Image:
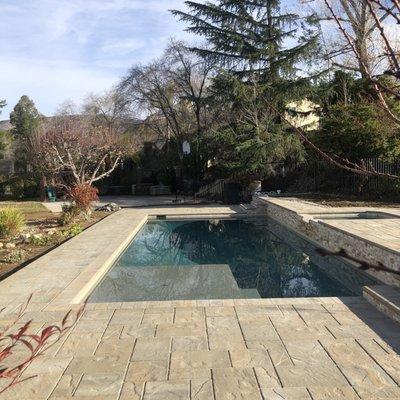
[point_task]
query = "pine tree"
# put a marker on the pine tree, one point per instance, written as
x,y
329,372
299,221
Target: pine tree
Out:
x,y
261,49
25,118
252,38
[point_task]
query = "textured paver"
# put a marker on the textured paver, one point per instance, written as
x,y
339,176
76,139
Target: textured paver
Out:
x,y
293,349
295,358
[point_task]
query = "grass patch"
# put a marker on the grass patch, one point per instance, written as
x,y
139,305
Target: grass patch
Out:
x,y
27,207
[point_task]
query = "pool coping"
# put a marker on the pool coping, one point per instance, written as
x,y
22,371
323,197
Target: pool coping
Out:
x,y
64,277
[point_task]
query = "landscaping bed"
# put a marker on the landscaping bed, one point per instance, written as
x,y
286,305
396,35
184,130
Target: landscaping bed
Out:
x,y
42,232
333,200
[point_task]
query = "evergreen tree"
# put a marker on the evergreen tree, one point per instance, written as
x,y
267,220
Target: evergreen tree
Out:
x,y
25,118
262,49
251,37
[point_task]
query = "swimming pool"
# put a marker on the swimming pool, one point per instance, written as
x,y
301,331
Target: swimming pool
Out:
x,y
220,259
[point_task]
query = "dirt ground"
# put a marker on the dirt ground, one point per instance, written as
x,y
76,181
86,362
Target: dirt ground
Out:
x,y
39,220
332,200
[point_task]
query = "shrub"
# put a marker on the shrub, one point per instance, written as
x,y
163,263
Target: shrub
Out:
x,y
83,195
15,256
12,221
73,230
41,240
18,337
69,213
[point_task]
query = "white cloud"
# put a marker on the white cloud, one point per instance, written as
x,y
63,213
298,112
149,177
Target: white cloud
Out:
x,y
49,84
122,46
52,50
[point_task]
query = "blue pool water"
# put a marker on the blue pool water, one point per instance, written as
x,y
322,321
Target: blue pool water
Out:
x,y
216,259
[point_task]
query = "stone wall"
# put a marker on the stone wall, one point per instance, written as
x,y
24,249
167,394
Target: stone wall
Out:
x,y
334,240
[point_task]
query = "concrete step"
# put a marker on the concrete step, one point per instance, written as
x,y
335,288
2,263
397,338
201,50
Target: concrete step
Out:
x,y
250,294
385,298
192,282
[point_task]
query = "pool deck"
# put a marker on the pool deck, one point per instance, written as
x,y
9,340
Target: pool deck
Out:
x,y
383,231
294,349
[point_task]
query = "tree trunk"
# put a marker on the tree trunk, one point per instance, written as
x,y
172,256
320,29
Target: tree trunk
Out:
x,y
42,188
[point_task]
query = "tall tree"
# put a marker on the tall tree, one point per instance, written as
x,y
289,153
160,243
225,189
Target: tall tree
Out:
x,y
262,50
174,94
109,110
250,37
25,118
385,77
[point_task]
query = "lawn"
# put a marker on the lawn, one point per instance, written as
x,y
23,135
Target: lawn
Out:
x,y
31,209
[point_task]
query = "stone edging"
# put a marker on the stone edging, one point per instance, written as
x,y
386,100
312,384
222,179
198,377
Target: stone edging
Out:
x,y
333,238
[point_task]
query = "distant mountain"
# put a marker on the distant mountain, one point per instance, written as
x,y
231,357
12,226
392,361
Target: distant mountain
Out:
x,y
5,125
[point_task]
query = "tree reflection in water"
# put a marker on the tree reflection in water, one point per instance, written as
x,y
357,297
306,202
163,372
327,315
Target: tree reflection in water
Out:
x,y
258,259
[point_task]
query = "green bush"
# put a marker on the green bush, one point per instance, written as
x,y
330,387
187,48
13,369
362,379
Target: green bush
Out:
x,y
69,214
12,221
73,230
42,240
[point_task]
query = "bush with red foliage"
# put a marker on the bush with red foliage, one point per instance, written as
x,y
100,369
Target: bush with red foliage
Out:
x,y
35,345
83,195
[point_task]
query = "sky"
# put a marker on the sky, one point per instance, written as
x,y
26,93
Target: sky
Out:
x,y
59,50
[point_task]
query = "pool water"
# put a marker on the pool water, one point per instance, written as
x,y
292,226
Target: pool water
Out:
x,y
217,259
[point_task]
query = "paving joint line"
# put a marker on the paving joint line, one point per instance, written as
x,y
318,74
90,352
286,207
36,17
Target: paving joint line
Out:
x,y
59,379
104,331
309,393
240,327
301,317
213,383
376,362
281,340
337,366
169,359
258,384
126,371
274,367
331,314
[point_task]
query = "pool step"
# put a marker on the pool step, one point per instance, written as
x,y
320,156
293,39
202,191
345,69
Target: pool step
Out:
x,y
171,283
385,298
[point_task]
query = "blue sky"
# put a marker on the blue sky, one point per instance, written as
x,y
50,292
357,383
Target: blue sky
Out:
x,y
57,50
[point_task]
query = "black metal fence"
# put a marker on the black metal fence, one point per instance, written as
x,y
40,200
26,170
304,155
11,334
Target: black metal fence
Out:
x,y
225,191
320,176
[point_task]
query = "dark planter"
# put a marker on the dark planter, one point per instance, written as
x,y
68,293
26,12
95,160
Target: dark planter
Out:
x,y
232,193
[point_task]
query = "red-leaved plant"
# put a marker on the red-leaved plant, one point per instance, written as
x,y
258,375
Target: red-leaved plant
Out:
x,y
35,344
83,195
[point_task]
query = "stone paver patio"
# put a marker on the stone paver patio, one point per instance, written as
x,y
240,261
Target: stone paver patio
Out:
x,y
264,349
294,349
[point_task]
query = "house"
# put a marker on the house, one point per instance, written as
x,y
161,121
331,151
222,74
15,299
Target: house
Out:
x,y
303,114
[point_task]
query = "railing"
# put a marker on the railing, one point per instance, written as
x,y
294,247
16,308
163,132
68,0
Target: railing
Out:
x,y
212,191
320,176
226,191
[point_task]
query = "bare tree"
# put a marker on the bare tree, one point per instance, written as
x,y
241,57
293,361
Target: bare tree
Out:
x,y
109,110
379,17
173,93
71,151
